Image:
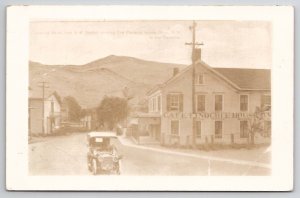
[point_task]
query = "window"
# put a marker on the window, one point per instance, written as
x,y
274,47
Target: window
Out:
x,y
243,129
175,102
200,79
154,104
218,102
174,127
218,129
52,107
244,102
200,103
267,129
198,128
158,103
150,105
266,102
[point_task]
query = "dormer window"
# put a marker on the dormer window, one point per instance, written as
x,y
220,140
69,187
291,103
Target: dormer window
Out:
x,y
200,79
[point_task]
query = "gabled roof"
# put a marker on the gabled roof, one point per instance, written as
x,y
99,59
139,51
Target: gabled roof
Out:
x,y
248,78
57,97
159,86
37,96
239,78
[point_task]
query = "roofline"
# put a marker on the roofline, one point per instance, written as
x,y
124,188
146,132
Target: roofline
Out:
x,y
53,93
169,80
209,68
245,89
218,74
154,89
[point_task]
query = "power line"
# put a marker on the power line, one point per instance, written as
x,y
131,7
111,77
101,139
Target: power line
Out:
x,y
194,59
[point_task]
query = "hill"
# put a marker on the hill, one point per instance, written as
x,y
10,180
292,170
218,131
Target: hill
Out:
x,y
88,83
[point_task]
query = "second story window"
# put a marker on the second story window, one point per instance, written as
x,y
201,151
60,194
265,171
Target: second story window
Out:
x,y
243,102
200,103
200,79
218,102
266,102
175,102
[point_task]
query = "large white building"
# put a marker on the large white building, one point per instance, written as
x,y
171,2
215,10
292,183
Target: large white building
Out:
x,y
227,102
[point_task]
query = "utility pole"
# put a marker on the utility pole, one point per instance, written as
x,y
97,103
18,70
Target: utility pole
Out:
x,y
43,86
194,59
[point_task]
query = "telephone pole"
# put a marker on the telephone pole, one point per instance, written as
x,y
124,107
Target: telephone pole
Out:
x,y
194,59
43,86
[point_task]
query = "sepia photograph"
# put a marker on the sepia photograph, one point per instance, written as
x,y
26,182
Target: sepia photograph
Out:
x,y
135,99
127,97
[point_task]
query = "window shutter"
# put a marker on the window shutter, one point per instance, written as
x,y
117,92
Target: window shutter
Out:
x,y
181,102
168,102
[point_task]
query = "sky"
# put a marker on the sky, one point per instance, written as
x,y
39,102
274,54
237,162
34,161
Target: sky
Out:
x,y
235,44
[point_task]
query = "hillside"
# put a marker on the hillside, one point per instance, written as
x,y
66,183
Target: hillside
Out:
x,y
108,76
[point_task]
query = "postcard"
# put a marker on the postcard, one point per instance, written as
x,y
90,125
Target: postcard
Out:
x,y
149,98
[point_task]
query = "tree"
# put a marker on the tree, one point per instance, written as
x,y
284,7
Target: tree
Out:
x,y
83,112
256,123
112,110
73,108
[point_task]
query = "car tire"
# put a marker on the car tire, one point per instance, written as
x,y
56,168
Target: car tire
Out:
x,y
118,171
94,167
89,164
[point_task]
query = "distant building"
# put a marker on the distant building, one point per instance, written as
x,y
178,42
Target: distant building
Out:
x,y
42,124
225,99
89,121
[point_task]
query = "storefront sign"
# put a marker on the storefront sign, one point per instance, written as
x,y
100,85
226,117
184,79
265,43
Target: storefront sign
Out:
x,y
216,115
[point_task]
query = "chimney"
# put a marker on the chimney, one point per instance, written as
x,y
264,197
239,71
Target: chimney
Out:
x,y
197,54
175,71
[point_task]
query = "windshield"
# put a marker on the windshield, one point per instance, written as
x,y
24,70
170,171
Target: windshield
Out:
x,y
101,144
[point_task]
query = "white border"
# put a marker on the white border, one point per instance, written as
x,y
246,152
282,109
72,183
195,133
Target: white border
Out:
x,y
18,17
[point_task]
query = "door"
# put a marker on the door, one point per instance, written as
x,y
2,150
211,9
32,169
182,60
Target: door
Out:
x,y
157,132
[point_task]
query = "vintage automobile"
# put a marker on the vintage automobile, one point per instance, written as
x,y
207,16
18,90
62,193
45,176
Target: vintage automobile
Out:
x,y
102,156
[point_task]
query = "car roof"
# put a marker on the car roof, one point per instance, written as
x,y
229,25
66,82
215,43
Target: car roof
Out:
x,y
102,134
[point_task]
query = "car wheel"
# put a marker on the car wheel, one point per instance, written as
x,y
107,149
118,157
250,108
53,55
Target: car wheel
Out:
x,y
117,170
89,165
95,167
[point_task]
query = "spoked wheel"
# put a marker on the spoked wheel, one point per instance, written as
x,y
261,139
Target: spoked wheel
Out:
x,y
89,167
117,170
89,163
94,167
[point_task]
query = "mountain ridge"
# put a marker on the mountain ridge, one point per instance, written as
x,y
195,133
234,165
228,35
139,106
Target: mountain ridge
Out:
x,y
90,82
